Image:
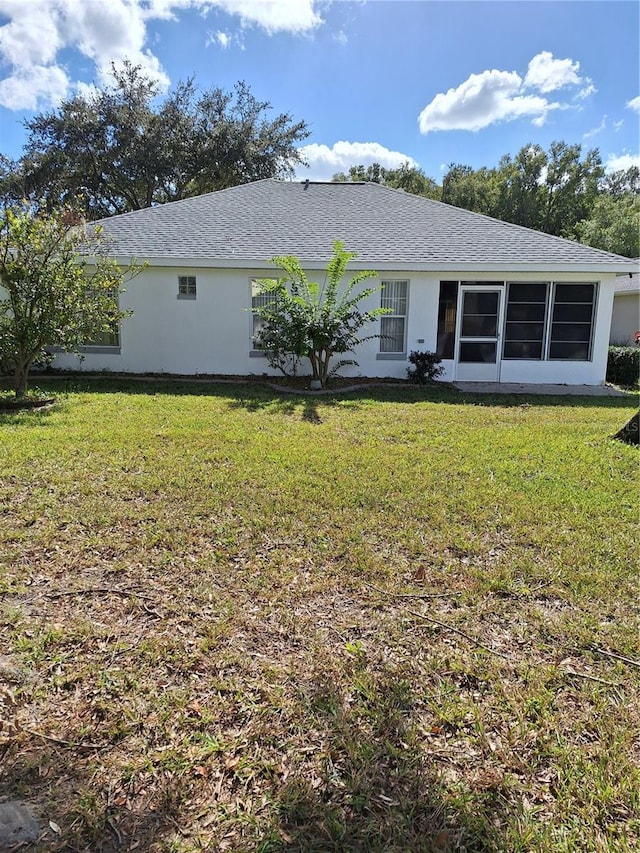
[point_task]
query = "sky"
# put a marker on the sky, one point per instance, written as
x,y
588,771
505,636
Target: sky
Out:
x,y
426,82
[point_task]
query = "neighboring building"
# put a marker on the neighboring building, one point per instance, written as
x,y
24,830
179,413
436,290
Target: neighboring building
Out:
x,y
625,319
497,301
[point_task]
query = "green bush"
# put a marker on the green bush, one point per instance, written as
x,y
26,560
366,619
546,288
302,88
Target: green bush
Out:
x,y
623,365
426,367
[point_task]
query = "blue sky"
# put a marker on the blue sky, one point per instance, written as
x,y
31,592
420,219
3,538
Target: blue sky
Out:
x,y
379,80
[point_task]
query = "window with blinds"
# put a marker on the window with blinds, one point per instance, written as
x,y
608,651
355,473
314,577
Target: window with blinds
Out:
x,y
258,300
393,297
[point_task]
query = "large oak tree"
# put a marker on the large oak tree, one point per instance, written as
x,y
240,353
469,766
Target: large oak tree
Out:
x,y
124,148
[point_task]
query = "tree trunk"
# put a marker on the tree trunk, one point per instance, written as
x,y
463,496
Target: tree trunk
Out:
x,y
313,358
630,431
20,380
325,368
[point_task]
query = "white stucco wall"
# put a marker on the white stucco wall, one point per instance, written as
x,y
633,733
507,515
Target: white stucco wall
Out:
x,y
167,334
625,320
212,334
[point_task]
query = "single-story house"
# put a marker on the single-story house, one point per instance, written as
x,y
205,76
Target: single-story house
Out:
x,y
625,320
496,301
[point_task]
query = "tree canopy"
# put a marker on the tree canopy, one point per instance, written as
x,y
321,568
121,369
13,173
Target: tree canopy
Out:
x,y
50,294
549,191
122,148
405,177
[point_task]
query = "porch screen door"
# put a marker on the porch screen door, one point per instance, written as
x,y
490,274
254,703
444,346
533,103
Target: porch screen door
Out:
x,y
480,321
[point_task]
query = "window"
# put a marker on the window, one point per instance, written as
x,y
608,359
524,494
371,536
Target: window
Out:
x,y
572,322
258,300
393,325
106,339
110,338
447,308
525,320
186,287
480,314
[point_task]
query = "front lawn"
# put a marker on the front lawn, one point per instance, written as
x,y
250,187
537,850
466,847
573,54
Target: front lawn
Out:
x,y
395,620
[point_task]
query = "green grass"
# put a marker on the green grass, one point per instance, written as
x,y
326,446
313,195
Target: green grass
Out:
x,y
203,645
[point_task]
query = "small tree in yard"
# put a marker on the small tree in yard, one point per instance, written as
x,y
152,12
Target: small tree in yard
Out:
x,y
50,294
303,318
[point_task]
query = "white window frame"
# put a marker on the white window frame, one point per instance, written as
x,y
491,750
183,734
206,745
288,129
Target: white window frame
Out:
x,y
394,355
257,299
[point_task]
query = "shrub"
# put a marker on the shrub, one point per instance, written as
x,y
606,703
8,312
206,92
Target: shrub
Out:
x,y
623,365
303,318
426,367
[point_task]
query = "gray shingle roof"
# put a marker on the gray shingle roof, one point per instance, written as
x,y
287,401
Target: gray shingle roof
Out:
x,y
254,222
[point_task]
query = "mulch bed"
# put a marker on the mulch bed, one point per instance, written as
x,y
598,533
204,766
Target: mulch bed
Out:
x,y
290,384
13,404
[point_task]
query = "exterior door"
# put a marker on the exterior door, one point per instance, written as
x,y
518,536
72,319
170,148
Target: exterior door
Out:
x,y
479,324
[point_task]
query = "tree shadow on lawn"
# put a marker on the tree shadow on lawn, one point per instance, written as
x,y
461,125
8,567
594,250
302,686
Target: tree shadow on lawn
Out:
x,y
375,791
307,407
379,791
28,416
61,787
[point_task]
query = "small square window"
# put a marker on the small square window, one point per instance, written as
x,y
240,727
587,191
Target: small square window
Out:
x,y
186,287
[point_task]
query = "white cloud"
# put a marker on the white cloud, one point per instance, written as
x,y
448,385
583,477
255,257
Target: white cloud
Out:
x,y
634,104
324,162
616,162
617,125
88,91
293,16
497,96
30,86
596,130
481,100
110,31
547,74
32,33
589,89
220,38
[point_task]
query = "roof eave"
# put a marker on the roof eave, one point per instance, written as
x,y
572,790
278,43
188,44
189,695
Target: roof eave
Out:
x,y
609,267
